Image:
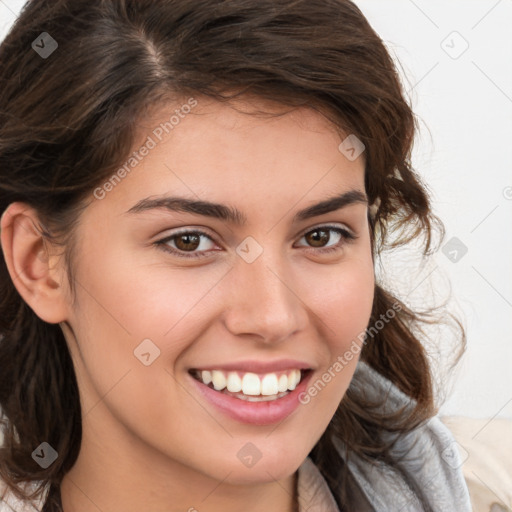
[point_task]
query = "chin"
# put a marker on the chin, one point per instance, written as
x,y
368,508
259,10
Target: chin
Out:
x,y
268,468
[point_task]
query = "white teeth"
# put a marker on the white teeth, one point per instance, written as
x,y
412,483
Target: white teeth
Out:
x,y
206,376
269,384
234,382
219,380
283,383
293,379
260,398
251,384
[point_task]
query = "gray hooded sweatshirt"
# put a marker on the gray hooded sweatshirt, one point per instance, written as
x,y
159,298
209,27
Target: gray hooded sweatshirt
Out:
x,y
428,456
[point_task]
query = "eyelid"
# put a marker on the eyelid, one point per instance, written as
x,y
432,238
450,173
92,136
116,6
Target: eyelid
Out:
x,y
338,225
200,231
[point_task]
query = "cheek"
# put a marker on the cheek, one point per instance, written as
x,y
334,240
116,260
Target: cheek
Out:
x,y
120,303
354,293
139,298
325,391
344,302
344,307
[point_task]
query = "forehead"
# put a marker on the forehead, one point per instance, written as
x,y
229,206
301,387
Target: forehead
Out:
x,y
236,153
242,124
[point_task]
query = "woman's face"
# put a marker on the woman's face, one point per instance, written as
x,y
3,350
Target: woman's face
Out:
x,y
276,293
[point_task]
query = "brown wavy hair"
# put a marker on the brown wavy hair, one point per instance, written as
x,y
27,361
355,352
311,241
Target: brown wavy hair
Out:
x,y
68,121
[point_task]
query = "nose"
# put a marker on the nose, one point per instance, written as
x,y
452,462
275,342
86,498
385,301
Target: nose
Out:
x,y
263,302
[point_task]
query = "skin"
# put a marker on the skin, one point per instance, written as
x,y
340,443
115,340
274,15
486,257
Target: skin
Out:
x,y
150,441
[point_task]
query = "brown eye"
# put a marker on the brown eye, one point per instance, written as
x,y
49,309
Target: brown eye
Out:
x,y
187,242
318,237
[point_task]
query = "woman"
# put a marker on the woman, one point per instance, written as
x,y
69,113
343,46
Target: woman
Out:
x,y
193,195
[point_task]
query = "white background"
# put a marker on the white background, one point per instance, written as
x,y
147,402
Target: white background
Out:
x,y
464,153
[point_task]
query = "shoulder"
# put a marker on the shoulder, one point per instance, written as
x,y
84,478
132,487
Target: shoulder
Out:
x,y
428,464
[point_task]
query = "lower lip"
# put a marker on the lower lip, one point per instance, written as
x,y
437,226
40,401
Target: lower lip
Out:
x,y
254,413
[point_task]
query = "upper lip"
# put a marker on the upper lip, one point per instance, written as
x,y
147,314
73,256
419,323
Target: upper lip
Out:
x,y
258,366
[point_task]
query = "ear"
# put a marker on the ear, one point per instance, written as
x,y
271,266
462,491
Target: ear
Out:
x,y
37,274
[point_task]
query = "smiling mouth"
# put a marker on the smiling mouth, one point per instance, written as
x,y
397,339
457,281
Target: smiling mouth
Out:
x,y
249,386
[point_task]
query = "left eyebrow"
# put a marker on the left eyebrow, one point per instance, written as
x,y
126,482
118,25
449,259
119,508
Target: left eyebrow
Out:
x,y
235,216
331,205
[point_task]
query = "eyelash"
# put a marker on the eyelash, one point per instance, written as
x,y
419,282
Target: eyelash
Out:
x,y
346,237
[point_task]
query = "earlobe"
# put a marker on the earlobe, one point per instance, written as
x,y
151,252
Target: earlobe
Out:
x,y
31,267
